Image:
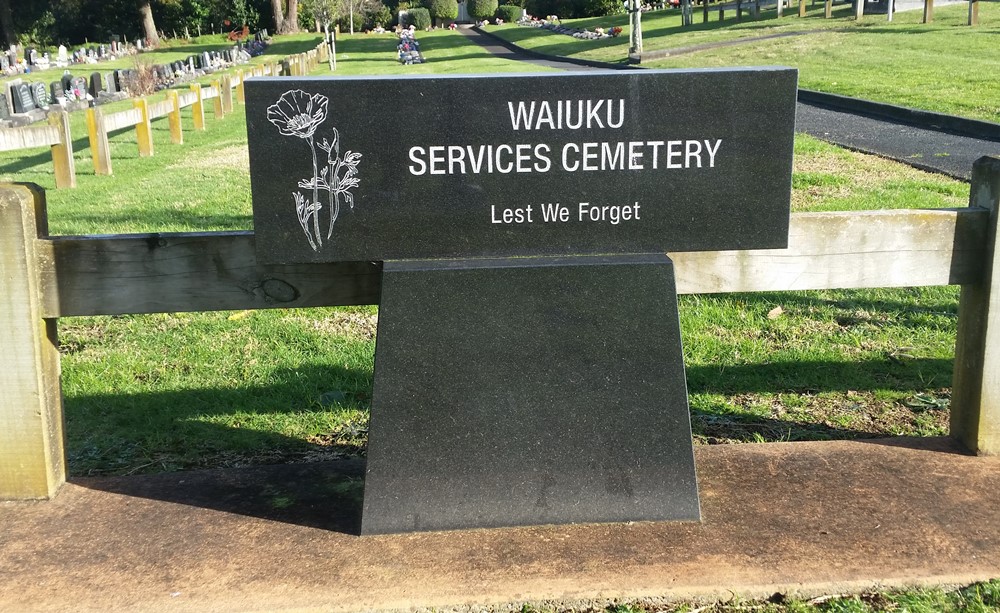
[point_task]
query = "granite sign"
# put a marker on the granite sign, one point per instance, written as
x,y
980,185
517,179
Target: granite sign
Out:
x,y
501,166
528,366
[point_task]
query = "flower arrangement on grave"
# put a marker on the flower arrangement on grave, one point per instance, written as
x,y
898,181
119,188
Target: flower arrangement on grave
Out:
x,y
299,114
615,31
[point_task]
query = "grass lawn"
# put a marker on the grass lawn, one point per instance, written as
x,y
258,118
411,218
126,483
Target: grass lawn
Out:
x,y
177,391
944,66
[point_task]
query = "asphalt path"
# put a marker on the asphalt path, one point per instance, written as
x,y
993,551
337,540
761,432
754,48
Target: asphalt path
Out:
x,y
923,148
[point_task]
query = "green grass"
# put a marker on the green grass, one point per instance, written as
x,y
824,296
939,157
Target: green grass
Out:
x,y
943,66
170,392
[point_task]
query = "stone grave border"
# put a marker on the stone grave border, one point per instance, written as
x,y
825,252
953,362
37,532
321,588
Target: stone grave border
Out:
x,y
50,277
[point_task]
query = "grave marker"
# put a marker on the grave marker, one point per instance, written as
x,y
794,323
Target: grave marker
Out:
x,y
56,91
40,95
23,102
96,84
4,107
78,85
528,366
67,81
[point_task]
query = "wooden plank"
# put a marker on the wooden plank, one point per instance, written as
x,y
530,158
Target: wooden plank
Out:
x,y
186,99
217,106
174,118
218,271
197,107
32,463
12,139
100,151
189,272
207,93
122,119
143,129
975,399
160,109
63,164
899,248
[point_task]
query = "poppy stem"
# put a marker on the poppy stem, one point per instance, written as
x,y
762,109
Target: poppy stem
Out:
x,y
315,199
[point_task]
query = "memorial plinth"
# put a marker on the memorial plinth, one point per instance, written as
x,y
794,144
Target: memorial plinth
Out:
x,y
528,361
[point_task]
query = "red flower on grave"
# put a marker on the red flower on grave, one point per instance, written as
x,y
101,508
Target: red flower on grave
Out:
x,y
297,113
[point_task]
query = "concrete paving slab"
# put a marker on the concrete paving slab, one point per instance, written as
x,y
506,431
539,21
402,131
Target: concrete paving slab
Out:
x,y
798,518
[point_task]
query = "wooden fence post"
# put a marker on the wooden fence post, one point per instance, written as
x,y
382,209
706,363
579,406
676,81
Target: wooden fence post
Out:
x,y
802,7
143,129
859,9
828,9
226,93
174,118
62,152
217,109
198,108
928,11
32,460
975,398
973,12
780,5
100,152
240,94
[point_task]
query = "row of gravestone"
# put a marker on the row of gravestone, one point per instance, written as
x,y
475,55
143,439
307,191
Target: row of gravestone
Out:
x,y
408,48
27,102
34,60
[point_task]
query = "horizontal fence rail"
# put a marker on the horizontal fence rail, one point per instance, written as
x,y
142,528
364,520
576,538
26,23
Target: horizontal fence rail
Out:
x,y
49,277
113,275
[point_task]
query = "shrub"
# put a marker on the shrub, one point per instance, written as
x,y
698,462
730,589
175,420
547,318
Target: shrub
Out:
x,y
344,21
600,8
482,9
381,17
565,9
509,12
445,10
419,17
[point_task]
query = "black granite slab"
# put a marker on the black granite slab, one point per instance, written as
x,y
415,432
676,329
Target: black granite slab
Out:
x,y
40,95
528,391
96,84
671,161
56,90
23,101
67,81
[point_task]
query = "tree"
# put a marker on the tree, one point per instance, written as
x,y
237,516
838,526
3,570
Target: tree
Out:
x,y
442,10
278,17
291,23
148,25
7,34
482,9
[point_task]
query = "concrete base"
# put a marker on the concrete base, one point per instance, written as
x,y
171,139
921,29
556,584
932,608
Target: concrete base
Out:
x,y
797,518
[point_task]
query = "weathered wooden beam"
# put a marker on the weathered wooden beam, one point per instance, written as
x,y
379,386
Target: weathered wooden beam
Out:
x,y
63,164
186,99
188,272
174,118
215,93
12,139
240,90
894,248
143,128
226,94
975,399
197,108
928,11
973,12
122,119
219,271
160,109
97,134
32,465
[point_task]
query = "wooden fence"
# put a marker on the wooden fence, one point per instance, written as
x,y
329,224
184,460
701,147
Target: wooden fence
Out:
x,y
222,92
50,277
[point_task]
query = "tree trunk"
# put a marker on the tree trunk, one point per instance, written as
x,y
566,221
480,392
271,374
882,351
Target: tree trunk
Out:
x,y
7,35
279,19
148,26
291,18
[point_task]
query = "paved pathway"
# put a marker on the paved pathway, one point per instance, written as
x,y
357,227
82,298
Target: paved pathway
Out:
x,y
931,150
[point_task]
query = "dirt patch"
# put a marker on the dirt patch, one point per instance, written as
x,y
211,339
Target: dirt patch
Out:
x,y
345,323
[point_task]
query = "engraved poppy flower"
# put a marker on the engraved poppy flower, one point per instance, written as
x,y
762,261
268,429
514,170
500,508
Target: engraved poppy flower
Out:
x,y
297,113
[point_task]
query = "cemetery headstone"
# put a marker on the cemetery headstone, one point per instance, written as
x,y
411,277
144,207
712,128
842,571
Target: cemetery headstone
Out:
x,y
4,63
78,85
110,85
31,56
40,95
206,60
67,81
96,84
56,91
23,101
4,106
63,55
529,366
